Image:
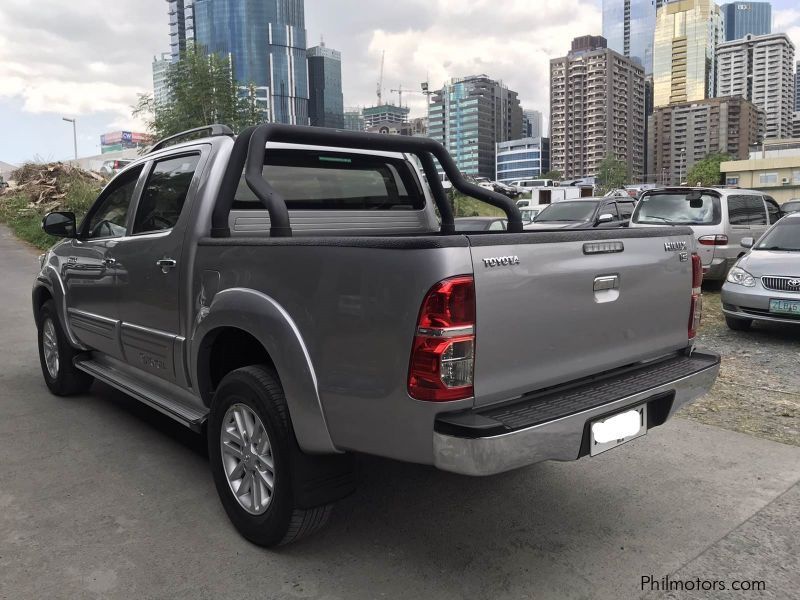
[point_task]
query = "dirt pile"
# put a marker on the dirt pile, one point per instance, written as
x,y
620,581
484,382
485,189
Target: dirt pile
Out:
x,y
47,185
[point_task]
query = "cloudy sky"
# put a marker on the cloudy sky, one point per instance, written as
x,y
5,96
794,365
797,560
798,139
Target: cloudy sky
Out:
x,y
89,59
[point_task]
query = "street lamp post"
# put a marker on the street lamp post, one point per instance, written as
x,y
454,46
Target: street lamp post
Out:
x,y
680,172
74,135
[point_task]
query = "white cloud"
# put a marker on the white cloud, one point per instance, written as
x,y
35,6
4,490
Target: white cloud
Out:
x,y
79,58
512,40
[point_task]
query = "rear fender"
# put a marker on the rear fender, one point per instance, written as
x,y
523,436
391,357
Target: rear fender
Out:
x,y
263,318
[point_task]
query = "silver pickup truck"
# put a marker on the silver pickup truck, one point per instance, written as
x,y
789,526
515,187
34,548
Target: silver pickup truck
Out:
x,y
300,295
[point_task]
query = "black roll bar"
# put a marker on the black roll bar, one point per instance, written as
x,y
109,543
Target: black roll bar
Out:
x,y
250,149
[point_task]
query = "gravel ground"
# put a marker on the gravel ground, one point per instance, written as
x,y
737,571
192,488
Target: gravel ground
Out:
x,y
758,390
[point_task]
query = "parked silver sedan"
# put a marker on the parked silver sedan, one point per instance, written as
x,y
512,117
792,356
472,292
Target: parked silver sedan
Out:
x,y
764,285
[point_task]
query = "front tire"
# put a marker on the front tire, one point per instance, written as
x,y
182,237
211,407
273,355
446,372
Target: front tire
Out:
x,y
249,448
56,356
738,324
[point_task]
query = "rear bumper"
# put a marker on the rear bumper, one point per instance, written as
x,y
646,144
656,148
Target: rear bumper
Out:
x,y
470,443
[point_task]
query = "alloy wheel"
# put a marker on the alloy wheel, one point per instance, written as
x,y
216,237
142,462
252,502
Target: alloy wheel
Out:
x,y
247,458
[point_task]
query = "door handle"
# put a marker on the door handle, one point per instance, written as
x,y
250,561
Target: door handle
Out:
x,y
166,264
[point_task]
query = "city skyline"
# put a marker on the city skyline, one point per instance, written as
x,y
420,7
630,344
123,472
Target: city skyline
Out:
x,y
99,59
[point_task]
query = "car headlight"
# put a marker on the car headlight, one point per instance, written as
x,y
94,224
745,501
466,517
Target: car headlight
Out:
x,y
741,277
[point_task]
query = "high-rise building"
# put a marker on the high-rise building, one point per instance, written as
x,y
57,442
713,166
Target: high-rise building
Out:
x,y
532,124
686,35
687,132
354,119
325,102
797,88
759,69
743,18
469,116
160,68
597,104
628,25
181,26
375,116
266,40
527,158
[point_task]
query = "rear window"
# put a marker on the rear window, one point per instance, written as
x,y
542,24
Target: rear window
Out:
x,y
675,209
310,180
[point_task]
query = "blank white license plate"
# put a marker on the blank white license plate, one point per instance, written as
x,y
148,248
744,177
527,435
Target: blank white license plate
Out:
x,y
609,432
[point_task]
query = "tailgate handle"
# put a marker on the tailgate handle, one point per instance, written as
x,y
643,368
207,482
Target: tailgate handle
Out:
x,y
606,282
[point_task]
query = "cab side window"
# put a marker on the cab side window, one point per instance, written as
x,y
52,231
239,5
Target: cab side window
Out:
x,y
610,208
625,210
746,210
110,217
165,194
773,209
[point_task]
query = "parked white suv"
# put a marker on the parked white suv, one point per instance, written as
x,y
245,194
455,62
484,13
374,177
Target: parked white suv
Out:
x,y
720,219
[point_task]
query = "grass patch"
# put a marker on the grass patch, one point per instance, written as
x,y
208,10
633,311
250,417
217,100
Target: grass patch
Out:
x,y
464,206
23,214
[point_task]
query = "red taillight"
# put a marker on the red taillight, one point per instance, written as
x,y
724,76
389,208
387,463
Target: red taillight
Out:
x,y
696,306
713,240
443,354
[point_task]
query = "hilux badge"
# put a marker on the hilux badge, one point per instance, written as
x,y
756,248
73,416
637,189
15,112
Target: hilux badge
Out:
x,y
674,246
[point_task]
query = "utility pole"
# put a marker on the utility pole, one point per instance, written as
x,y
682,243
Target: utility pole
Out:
x,y
74,135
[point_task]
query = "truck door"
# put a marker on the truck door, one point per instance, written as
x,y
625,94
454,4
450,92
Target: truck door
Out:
x,y
151,283
89,271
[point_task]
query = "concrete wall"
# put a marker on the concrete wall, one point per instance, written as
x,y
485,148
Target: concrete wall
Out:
x,y
784,174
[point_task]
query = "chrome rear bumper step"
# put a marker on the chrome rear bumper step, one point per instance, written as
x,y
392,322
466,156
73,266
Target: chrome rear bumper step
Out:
x,y
552,425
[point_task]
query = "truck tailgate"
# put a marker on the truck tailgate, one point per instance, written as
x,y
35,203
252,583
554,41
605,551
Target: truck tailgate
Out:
x,y
546,319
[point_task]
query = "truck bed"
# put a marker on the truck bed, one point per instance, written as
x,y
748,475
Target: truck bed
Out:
x,y
355,302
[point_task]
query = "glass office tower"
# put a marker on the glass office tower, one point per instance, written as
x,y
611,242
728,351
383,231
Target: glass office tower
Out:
x,y
684,51
326,103
628,25
742,18
266,40
181,26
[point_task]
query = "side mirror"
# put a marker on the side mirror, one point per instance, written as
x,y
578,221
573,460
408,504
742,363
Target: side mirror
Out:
x,y
59,224
605,218
747,242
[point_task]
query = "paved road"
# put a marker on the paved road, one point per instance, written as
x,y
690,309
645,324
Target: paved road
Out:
x,y
103,498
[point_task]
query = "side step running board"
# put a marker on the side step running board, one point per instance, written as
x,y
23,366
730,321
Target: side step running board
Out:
x,y
185,415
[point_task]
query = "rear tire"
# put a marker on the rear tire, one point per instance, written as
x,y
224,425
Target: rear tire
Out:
x,y
738,324
56,356
249,447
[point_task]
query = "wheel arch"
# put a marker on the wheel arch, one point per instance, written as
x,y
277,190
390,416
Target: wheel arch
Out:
x,y
244,327
41,294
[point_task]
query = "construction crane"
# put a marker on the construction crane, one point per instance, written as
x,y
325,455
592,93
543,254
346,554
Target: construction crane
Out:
x,y
425,92
380,81
400,91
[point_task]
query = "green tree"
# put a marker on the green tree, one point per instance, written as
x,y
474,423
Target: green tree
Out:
x,y
554,175
611,174
201,91
706,172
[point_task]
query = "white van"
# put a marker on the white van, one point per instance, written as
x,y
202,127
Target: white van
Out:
x,y
525,185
